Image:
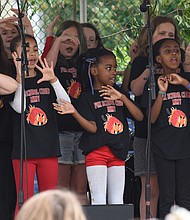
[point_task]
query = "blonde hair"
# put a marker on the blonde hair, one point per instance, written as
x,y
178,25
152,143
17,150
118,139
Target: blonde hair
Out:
x,y
52,205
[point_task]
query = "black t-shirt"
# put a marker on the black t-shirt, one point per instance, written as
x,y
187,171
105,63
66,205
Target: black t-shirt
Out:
x,y
40,121
68,78
112,127
6,125
138,66
170,133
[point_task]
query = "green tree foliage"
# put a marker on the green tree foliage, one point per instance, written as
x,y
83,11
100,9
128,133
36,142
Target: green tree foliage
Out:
x,y
119,22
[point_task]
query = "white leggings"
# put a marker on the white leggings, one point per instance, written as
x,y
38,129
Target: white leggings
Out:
x,y
106,181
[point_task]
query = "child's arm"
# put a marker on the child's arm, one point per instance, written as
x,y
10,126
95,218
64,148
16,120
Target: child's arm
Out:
x,y
176,79
49,36
68,108
53,53
163,86
47,46
16,103
54,50
49,29
133,53
137,85
49,75
109,93
25,21
7,85
186,64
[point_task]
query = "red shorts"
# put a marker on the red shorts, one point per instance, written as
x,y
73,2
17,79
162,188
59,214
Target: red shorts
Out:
x,y
103,156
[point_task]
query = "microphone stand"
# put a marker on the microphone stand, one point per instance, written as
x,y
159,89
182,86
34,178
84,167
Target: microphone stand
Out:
x,y
151,96
24,71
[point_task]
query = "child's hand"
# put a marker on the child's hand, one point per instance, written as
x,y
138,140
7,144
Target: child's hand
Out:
x,y
48,72
9,20
68,39
64,108
162,83
176,79
109,93
49,29
187,53
133,51
25,20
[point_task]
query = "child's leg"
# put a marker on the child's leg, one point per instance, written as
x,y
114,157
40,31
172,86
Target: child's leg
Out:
x,y
47,173
29,169
116,183
166,173
182,183
97,179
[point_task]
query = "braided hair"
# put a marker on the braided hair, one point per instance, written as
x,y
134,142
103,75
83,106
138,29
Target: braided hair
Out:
x,y
86,60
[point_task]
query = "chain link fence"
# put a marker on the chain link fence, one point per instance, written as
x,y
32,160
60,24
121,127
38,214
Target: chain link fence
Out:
x,y
118,22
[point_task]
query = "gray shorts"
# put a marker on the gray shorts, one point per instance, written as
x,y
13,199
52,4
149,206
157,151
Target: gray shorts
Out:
x,y
69,146
140,165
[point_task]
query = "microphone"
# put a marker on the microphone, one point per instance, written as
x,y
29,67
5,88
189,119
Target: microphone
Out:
x,y
144,5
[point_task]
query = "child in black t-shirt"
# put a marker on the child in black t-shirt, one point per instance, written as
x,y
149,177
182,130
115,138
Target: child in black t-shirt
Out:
x,y
170,116
69,43
102,112
41,148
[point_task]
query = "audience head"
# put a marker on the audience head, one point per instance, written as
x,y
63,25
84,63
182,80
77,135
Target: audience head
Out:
x,y
52,205
178,213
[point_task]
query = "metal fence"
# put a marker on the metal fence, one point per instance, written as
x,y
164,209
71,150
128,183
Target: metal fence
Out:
x,y
118,22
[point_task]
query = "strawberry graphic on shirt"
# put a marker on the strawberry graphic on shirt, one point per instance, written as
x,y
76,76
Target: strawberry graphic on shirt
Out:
x,y
113,125
36,116
177,118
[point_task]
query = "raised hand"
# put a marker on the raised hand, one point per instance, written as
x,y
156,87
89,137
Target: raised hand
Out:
x,y
68,39
187,53
49,29
176,79
109,93
133,51
163,83
6,21
25,21
64,108
47,71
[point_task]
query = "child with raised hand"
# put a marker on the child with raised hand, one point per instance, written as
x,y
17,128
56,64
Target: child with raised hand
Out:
x,y
170,130
42,144
102,112
67,46
9,29
49,36
91,34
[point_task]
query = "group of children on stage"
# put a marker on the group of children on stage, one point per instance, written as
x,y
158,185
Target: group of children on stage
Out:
x,y
75,117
